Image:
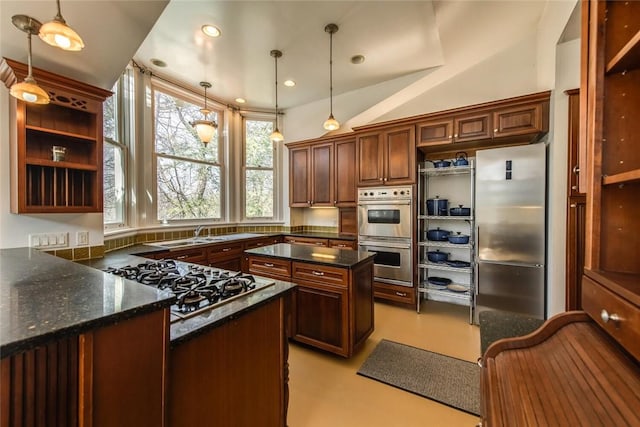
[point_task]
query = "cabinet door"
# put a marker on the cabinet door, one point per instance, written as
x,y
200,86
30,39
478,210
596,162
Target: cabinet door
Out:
x,y
519,120
370,158
472,128
322,175
322,317
400,163
345,174
435,132
343,244
299,183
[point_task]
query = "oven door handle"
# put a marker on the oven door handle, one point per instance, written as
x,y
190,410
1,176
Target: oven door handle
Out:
x,y
383,202
385,244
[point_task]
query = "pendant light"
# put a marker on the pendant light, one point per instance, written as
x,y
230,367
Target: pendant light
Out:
x,y
276,136
57,33
28,90
331,123
205,128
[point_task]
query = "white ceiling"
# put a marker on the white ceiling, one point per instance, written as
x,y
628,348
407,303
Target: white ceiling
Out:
x,y
396,37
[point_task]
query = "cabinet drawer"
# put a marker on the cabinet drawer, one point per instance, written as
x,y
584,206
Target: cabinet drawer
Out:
x,y
311,241
263,241
320,273
270,267
196,256
225,249
401,294
343,244
599,303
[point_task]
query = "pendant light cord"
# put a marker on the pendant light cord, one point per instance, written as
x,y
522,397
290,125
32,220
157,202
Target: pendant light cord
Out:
x,y
276,58
29,76
331,74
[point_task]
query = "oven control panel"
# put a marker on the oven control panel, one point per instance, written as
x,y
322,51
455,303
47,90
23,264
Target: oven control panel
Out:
x,y
384,193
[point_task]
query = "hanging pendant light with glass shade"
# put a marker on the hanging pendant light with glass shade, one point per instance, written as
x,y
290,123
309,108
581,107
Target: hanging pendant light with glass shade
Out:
x,y
205,128
331,123
28,90
57,33
276,135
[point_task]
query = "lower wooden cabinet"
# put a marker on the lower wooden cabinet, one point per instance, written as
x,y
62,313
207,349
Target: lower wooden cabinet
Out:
x,y
321,319
227,256
112,376
233,375
401,294
332,307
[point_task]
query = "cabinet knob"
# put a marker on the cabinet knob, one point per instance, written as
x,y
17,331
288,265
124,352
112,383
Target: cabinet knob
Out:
x,y
495,130
450,136
576,169
401,294
385,180
268,264
380,179
605,316
455,136
572,205
574,187
317,273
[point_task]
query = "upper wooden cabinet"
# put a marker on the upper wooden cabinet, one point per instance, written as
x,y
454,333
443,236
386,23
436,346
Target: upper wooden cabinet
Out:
x,y
40,181
387,157
516,120
322,173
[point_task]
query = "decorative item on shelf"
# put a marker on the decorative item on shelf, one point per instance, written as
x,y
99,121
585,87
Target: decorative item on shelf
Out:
x,y
276,135
331,123
205,128
57,33
58,153
28,90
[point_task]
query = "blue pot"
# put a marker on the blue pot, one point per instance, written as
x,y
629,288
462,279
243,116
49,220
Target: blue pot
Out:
x,y
438,235
461,159
458,239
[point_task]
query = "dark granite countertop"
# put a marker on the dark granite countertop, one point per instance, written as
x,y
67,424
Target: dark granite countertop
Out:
x,y
185,329
314,254
43,298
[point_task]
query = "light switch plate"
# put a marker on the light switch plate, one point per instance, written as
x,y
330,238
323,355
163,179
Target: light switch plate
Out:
x,y
82,238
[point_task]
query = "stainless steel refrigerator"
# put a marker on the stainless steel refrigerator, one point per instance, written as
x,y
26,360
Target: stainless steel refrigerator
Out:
x,y
511,230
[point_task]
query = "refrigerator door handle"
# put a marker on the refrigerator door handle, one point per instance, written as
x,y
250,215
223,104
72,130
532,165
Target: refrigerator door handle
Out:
x,y
476,280
513,264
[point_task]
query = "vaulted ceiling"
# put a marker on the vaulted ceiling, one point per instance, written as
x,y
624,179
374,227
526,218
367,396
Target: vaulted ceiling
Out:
x,y
397,38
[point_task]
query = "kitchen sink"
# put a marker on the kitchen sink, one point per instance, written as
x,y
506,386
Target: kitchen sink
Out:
x,y
187,242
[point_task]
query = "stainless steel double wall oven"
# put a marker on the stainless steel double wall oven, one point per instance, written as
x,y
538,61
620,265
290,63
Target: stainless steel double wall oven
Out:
x,y
385,226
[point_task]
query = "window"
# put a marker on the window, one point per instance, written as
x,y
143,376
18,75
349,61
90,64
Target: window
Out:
x,y
189,181
117,115
259,169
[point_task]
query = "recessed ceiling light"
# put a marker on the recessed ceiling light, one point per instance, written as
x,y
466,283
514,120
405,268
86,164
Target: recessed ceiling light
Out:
x,y
158,62
357,59
211,30
241,100
289,83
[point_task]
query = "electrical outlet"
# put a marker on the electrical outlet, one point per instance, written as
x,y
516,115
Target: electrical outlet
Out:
x,y
82,238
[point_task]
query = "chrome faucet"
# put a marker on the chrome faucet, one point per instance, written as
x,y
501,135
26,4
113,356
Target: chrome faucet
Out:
x,y
197,231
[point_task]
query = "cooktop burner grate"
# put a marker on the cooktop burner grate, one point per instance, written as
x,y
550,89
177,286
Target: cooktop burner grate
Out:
x,y
197,288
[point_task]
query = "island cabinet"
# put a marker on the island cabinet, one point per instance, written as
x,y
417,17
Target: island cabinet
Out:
x,y
233,375
95,379
386,156
322,172
332,306
227,256
55,149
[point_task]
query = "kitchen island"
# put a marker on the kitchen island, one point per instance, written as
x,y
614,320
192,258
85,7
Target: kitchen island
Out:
x,y
332,307
100,344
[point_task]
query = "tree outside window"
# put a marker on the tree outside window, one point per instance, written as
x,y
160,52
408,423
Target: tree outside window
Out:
x,y
259,170
189,184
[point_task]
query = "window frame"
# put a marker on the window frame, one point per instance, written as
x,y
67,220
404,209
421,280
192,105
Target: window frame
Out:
x,y
197,100
124,117
276,168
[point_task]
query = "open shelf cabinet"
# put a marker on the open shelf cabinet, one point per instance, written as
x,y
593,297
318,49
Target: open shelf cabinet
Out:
x,y
72,120
452,183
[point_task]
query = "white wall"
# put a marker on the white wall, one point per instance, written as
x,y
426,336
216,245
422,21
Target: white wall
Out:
x,y
567,76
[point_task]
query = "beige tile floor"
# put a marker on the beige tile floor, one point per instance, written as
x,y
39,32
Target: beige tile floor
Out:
x,y
325,390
